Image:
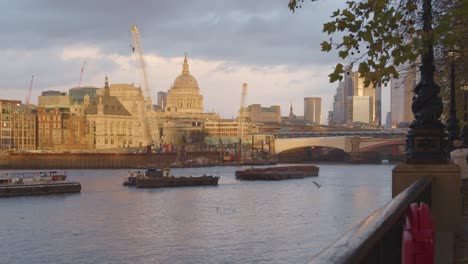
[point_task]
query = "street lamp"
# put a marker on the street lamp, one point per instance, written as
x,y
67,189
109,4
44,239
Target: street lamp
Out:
x,y
426,140
453,128
464,133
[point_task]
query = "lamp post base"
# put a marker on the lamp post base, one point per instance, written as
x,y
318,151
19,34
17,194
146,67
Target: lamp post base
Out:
x,y
427,146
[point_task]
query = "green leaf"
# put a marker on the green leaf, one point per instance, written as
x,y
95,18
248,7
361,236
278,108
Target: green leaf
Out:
x,y
329,27
335,13
343,54
326,46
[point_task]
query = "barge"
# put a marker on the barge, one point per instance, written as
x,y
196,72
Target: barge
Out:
x,y
159,178
277,173
36,183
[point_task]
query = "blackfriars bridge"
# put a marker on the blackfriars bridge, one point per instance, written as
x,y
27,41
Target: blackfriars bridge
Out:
x,y
350,143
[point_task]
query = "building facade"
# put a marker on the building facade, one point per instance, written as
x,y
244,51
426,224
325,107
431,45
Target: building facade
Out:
x,y
18,126
162,101
257,113
54,99
60,130
226,130
360,109
313,110
401,95
338,115
354,86
111,124
50,128
77,94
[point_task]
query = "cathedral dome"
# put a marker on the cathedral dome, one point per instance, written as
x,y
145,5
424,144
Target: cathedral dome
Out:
x,y
184,94
185,80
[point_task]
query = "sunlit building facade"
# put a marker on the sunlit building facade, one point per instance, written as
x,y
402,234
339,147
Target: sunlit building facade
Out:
x,y
111,124
354,86
360,109
257,113
77,94
313,110
401,95
60,130
18,126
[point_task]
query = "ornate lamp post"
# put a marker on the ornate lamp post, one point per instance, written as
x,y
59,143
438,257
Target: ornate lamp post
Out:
x,y
426,140
452,123
464,133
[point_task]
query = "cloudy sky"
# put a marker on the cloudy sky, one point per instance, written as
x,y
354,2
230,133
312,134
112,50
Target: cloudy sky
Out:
x,y
228,42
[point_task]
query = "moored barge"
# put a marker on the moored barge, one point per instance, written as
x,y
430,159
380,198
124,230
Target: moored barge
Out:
x,y
277,173
17,183
159,178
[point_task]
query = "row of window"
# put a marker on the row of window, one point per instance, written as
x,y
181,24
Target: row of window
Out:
x,y
50,125
221,125
223,130
111,141
224,135
49,118
15,119
17,141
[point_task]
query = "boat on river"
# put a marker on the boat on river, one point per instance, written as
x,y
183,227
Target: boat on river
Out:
x,y
159,178
277,173
134,174
19,183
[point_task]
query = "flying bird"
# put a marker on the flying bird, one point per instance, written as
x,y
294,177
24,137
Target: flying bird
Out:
x,y
318,185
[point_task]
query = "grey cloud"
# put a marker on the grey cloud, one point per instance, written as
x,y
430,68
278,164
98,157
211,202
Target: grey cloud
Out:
x,y
253,32
226,67
48,68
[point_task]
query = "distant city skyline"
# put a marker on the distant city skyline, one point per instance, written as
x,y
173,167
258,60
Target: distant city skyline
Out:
x,y
228,43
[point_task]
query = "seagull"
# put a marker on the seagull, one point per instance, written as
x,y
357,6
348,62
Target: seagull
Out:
x,y
318,185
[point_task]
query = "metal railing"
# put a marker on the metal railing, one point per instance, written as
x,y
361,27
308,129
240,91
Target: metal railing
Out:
x,y
378,238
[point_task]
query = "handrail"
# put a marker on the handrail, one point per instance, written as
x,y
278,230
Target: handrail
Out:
x,y
360,240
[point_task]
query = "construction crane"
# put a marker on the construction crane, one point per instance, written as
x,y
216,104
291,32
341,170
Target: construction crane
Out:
x,y
149,116
240,129
81,74
138,50
30,90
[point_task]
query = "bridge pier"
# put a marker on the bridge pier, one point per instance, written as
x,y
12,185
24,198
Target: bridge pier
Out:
x,y
370,157
445,201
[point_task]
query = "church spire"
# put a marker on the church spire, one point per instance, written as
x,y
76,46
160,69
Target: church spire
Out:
x,y
185,68
106,87
291,110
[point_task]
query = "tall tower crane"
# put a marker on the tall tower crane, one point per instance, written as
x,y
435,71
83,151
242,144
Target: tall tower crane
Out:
x,y
137,48
149,116
81,74
30,90
240,129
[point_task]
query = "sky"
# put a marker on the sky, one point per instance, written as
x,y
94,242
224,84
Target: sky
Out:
x,y
228,43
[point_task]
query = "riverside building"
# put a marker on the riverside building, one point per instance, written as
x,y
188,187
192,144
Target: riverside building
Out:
x,y
18,126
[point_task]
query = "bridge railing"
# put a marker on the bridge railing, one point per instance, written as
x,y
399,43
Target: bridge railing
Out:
x,y
378,238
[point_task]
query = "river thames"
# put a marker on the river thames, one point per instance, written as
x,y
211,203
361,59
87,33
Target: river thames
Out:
x,y
235,222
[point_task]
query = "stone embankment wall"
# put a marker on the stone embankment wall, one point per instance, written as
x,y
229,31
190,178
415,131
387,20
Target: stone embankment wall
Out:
x,y
94,160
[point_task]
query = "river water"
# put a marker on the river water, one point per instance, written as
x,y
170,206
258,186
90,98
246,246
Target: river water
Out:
x,y
235,222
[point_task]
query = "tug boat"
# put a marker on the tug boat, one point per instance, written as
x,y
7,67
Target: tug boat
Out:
x,y
19,183
158,178
131,180
277,173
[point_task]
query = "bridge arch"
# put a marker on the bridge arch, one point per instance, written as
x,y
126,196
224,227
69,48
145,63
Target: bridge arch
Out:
x,y
283,144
